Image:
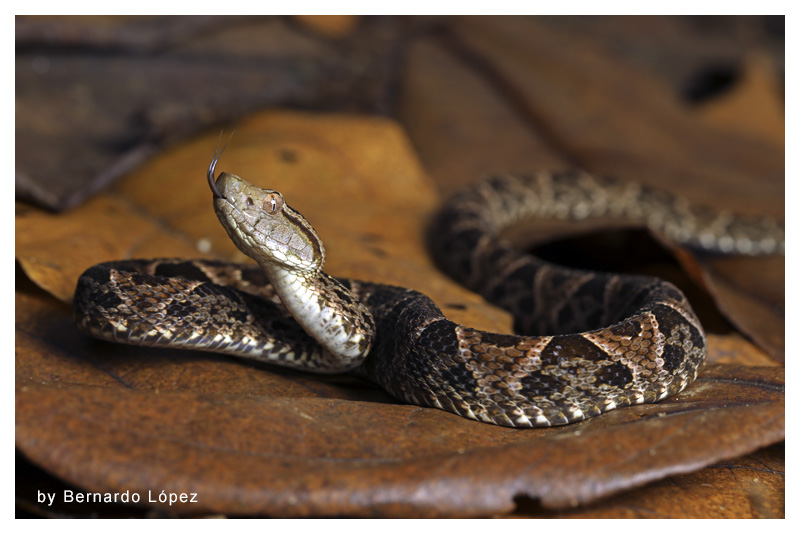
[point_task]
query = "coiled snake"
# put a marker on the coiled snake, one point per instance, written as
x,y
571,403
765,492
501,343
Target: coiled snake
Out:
x,y
602,341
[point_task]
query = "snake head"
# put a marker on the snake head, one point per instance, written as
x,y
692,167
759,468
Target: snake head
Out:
x,y
265,228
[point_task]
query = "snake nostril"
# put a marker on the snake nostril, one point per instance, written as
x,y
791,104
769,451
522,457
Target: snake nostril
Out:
x,y
249,201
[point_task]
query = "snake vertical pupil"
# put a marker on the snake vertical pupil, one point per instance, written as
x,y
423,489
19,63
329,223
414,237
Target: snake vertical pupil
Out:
x,y
273,203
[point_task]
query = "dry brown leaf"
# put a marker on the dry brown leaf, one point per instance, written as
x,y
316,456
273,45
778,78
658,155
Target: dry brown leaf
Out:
x,y
52,249
321,456
751,293
255,440
103,94
462,129
522,94
755,106
734,349
610,118
753,486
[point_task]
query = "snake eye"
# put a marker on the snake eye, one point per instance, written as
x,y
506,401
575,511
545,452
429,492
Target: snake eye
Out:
x,y
273,203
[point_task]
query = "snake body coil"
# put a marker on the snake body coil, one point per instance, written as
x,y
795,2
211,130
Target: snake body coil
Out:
x,y
611,340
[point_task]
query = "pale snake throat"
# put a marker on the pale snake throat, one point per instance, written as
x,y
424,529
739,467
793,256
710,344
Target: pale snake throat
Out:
x,y
592,341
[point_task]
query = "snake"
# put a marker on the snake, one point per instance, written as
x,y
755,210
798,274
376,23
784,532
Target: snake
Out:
x,y
585,342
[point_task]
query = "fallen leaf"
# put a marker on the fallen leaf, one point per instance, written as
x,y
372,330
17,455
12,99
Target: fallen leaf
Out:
x,y
753,486
609,118
755,106
255,440
522,94
104,94
751,293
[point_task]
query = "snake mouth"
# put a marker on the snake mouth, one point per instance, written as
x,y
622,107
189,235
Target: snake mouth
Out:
x,y
217,155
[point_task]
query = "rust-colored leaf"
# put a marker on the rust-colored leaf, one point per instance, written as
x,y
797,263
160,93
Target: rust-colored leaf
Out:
x,y
752,486
754,106
51,249
462,128
613,119
751,293
255,440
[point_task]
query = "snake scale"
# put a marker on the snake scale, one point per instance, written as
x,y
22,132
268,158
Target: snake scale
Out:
x,y
589,342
